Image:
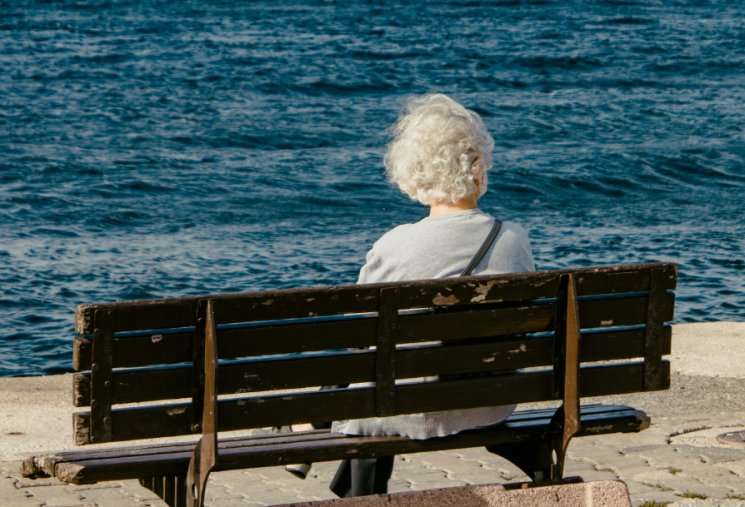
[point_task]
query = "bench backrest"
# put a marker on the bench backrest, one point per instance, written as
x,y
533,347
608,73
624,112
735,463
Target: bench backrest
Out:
x,y
294,340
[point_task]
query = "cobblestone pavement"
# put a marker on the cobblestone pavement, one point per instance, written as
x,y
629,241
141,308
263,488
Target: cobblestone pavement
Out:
x,y
676,460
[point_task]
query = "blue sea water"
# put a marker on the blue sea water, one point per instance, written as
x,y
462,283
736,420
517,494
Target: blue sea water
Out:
x,y
154,148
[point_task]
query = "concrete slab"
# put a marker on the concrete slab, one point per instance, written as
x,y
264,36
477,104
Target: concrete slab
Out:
x,y
591,494
710,349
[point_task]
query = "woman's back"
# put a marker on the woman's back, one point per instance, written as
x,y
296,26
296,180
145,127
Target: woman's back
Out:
x,y
438,247
442,246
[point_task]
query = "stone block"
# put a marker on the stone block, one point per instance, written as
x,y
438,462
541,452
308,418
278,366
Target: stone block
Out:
x,y
595,494
398,486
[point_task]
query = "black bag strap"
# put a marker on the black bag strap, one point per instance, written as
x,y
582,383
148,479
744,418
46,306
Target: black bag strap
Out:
x,y
484,248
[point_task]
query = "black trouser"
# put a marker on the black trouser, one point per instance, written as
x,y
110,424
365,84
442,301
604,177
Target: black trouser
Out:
x,y
359,477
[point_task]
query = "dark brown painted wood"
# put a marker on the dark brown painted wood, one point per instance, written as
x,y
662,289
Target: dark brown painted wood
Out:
x,y
359,403
654,329
477,319
359,366
530,318
517,388
385,353
527,286
45,465
270,375
180,500
158,421
157,486
48,463
355,333
197,374
341,447
279,339
247,307
169,490
101,375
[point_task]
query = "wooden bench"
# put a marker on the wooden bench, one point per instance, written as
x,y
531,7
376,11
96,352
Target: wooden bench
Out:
x,y
276,348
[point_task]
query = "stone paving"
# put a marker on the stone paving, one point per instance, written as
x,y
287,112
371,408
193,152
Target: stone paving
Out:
x,y
676,462
677,456
655,465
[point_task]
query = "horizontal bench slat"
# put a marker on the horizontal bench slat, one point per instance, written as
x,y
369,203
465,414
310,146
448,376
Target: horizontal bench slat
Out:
x,y
510,389
301,372
300,449
353,333
271,305
534,318
359,403
518,417
237,342
49,463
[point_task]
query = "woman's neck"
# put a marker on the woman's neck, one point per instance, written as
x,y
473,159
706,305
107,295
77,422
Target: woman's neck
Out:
x,y
465,204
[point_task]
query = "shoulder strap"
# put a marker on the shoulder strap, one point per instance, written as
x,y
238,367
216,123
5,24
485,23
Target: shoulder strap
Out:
x,y
484,248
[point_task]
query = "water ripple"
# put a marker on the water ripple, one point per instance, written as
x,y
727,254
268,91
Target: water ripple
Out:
x,y
152,149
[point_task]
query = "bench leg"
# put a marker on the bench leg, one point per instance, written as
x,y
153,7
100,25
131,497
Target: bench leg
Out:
x,y
544,460
170,488
204,458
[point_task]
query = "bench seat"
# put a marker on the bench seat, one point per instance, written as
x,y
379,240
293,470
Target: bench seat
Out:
x,y
264,450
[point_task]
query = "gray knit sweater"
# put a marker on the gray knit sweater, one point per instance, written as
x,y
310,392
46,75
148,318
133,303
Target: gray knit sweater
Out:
x,y
440,247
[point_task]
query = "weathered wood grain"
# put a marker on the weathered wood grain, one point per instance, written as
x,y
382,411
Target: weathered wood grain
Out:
x,y
356,333
292,449
359,366
359,403
246,307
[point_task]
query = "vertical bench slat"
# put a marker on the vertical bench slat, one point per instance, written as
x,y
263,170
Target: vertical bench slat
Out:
x,y
566,422
205,457
654,330
101,375
197,370
169,490
385,355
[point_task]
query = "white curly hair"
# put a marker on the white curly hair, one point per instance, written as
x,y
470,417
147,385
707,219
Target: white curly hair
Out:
x,y
438,150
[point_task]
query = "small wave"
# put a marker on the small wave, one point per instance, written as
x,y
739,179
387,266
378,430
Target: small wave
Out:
x,y
158,150
55,233
145,186
36,319
481,111
560,62
125,218
392,55
112,58
629,21
135,162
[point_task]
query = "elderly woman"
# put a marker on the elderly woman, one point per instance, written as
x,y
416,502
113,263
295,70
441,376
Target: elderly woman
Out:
x,y
439,155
